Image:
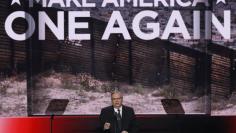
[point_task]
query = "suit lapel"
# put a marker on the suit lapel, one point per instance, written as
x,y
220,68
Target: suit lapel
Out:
x,y
112,112
124,118
123,113
112,119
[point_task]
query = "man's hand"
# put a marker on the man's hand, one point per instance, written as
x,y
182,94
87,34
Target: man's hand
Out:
x,y
124,132
107,126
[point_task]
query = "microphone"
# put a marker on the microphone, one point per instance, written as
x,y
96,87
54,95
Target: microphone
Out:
x,y
118,124
115,121
116,116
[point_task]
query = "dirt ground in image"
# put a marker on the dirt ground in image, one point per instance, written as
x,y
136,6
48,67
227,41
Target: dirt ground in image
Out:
x,y
87,95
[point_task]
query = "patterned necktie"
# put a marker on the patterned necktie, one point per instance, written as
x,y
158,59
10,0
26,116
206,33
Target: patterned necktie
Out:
x,y
119,121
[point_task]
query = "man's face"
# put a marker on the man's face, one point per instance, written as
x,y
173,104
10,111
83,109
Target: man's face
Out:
x,y
117,100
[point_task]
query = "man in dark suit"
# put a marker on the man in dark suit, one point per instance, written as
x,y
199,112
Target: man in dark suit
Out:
x,y
118,118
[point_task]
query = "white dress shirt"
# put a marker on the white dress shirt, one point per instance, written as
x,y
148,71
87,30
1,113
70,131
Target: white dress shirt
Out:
x,y
116,110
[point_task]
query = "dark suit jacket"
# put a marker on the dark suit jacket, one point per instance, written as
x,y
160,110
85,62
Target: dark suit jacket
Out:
x,y
129,123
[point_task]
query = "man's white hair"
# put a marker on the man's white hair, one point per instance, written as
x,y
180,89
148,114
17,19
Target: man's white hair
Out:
x,y
116,90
